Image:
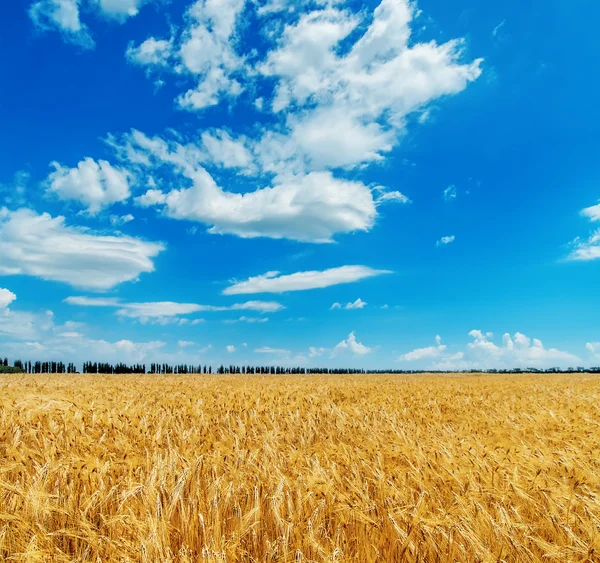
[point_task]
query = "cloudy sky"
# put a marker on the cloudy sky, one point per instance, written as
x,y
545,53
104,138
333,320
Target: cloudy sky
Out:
x,y
394,184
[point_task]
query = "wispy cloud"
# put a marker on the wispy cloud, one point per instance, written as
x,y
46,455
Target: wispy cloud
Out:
x,y
275,282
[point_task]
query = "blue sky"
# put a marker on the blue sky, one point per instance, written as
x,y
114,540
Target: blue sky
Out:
x,y
406,185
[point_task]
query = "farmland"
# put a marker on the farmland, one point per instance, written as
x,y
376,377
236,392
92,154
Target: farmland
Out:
x,y
299,468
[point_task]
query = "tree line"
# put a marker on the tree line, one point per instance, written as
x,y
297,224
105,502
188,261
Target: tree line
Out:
x,y
166,369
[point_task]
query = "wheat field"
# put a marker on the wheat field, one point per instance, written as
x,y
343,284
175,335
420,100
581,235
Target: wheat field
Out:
x,y
299,468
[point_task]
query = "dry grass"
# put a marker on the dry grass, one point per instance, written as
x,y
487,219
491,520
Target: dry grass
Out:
x,y
298,469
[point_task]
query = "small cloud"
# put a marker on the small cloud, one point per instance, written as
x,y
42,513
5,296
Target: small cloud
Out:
x,y
118,220
230,348
351,345
358,304
6,298
592,213
274,351
450,193
445,240
425,116
185,343
425,353
386,306
498,28
389,197
316,352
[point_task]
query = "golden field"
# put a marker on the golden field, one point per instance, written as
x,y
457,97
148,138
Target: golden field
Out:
x,y
300,468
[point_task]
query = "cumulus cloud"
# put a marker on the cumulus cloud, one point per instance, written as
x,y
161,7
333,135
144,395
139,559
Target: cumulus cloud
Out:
x,y
95,185
44,246
230,348
151,52
358,304
586,249
368,88
592,213
223,150
515,351
445,240
63,16
204,51
6,297
309,207
274,282
351,345
338,105
425,353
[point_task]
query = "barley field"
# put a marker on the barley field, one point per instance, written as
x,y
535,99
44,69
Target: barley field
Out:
x,y
299,468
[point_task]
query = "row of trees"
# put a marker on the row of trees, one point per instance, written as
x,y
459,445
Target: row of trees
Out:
x,y
39,367
165,369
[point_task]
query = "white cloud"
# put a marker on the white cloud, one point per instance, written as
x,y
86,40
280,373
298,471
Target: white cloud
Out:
x,y
205,50
497,29
395,196
518,351
93,301
351,345
225,151
150,198
586,250
65,16
6,298
594,349
445,240
592,213
95,185
340,106
274,282
358,304
152,52
43,246
310,208
425,353
185,343
230,348
450,193
368,88
117,220
62,15
167,309
22,325
274,351
314,352
120,9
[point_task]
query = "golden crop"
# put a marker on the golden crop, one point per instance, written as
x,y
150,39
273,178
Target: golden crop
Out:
x,y
299,468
